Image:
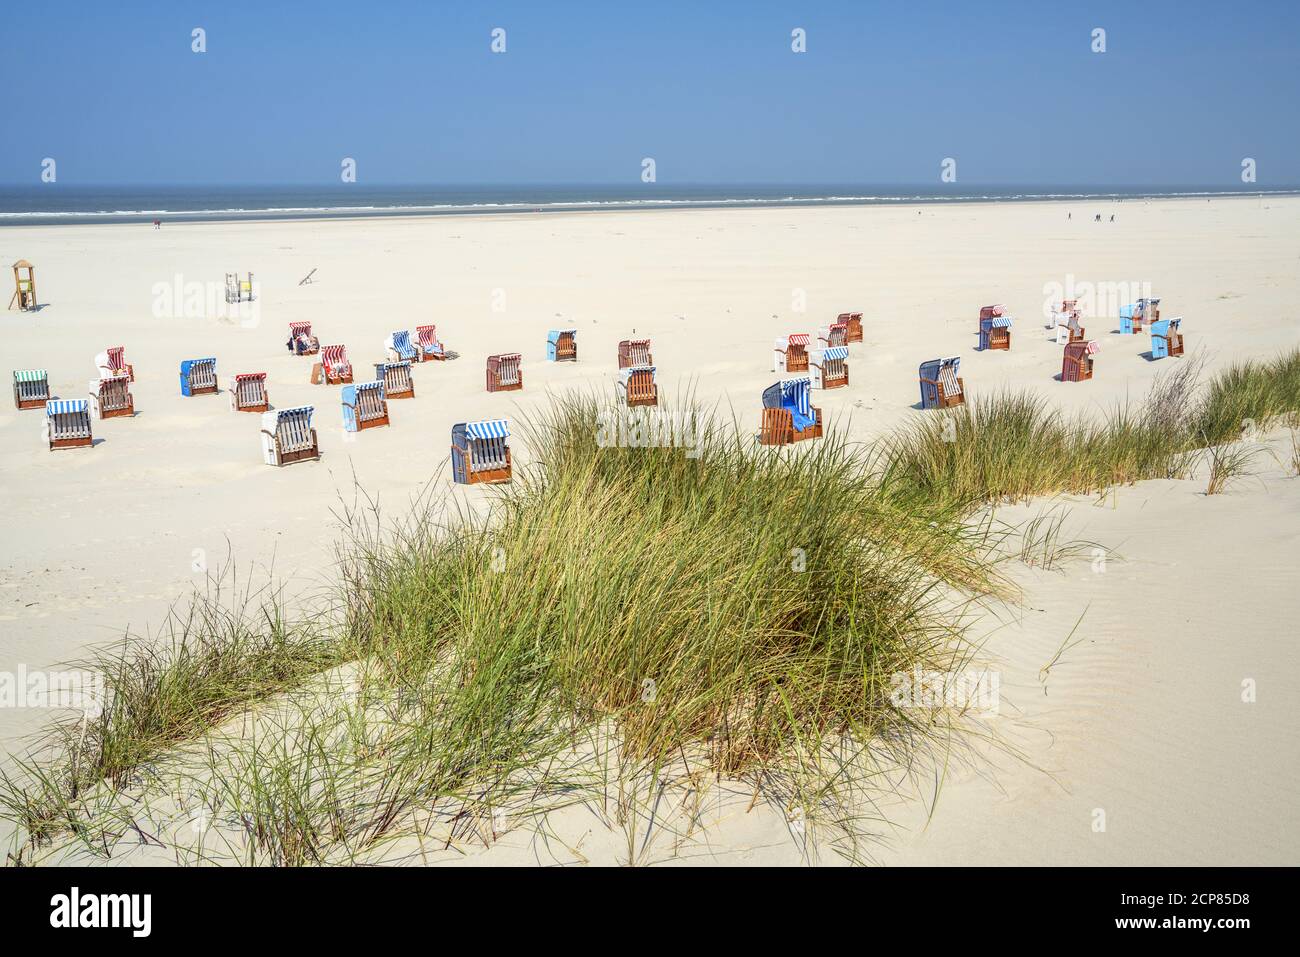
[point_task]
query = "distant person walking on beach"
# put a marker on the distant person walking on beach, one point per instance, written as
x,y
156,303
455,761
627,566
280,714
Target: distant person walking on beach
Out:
x,y
157,224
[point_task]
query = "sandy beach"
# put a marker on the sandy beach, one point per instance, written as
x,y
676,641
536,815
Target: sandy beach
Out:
x,y
1190,595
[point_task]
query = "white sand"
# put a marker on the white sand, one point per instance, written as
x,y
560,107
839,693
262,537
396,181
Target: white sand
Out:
x,y
1143,718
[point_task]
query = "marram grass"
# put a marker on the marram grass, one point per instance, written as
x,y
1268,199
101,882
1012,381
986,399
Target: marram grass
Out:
x,y
738,611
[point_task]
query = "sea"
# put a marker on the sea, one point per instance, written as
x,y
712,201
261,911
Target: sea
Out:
x,y
54,203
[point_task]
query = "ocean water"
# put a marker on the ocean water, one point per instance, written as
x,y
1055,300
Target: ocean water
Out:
x,y
53,203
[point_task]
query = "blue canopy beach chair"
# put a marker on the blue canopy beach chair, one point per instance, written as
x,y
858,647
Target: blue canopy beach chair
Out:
x,y
364,406
562,345
941,387
480,452
67,424
199,377
788,413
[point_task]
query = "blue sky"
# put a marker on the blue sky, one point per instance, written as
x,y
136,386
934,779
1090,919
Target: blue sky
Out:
x,y
885,91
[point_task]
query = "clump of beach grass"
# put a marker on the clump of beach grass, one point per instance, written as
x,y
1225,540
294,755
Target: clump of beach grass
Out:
x,y
735,611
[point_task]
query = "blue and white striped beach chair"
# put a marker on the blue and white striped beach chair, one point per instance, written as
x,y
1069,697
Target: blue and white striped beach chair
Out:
x,y
941,387
199,377
829,368
31,388
67,424
396,377
399,347
788,413
287,436
480,452
995,333
364,406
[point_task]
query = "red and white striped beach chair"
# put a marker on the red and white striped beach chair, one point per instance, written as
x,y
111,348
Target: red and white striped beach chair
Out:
x,y
112,361
111,397
427,345
790,353
836,334
301,341
503,372
248,392
333,368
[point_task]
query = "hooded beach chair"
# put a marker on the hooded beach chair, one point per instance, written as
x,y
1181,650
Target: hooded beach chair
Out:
x,y
503,372
248,392
287,436
852,326
1166,338
480,452
112,361
836,334
396,377
301,341
427,343
333,368
31,388
1130,319
364,406
995,333
1076,366
1071,331
562,345
788,413
941,387
399,348
634,352
67,424
829,368
790,353
199,377
992,312
637,386
111,397
1150,309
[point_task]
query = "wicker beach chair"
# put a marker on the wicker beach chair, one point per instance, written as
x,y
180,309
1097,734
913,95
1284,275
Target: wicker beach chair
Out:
x,y
1077,362
503,372
111,397
1166,338
637,386
67,424
334,367
396,377
31,388
301,341
427,344
287,436
364,406
112,362
399,348
829,368
941,387
562,345
852,325
788,413
480,452
836,334
790,353
199,377
248,392
634,352
995,333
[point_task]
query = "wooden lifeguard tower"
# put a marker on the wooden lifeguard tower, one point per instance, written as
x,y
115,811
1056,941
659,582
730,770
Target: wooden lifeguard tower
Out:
x,y
24,286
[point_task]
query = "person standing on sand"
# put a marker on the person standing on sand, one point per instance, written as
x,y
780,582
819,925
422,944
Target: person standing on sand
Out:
x,y
157,224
